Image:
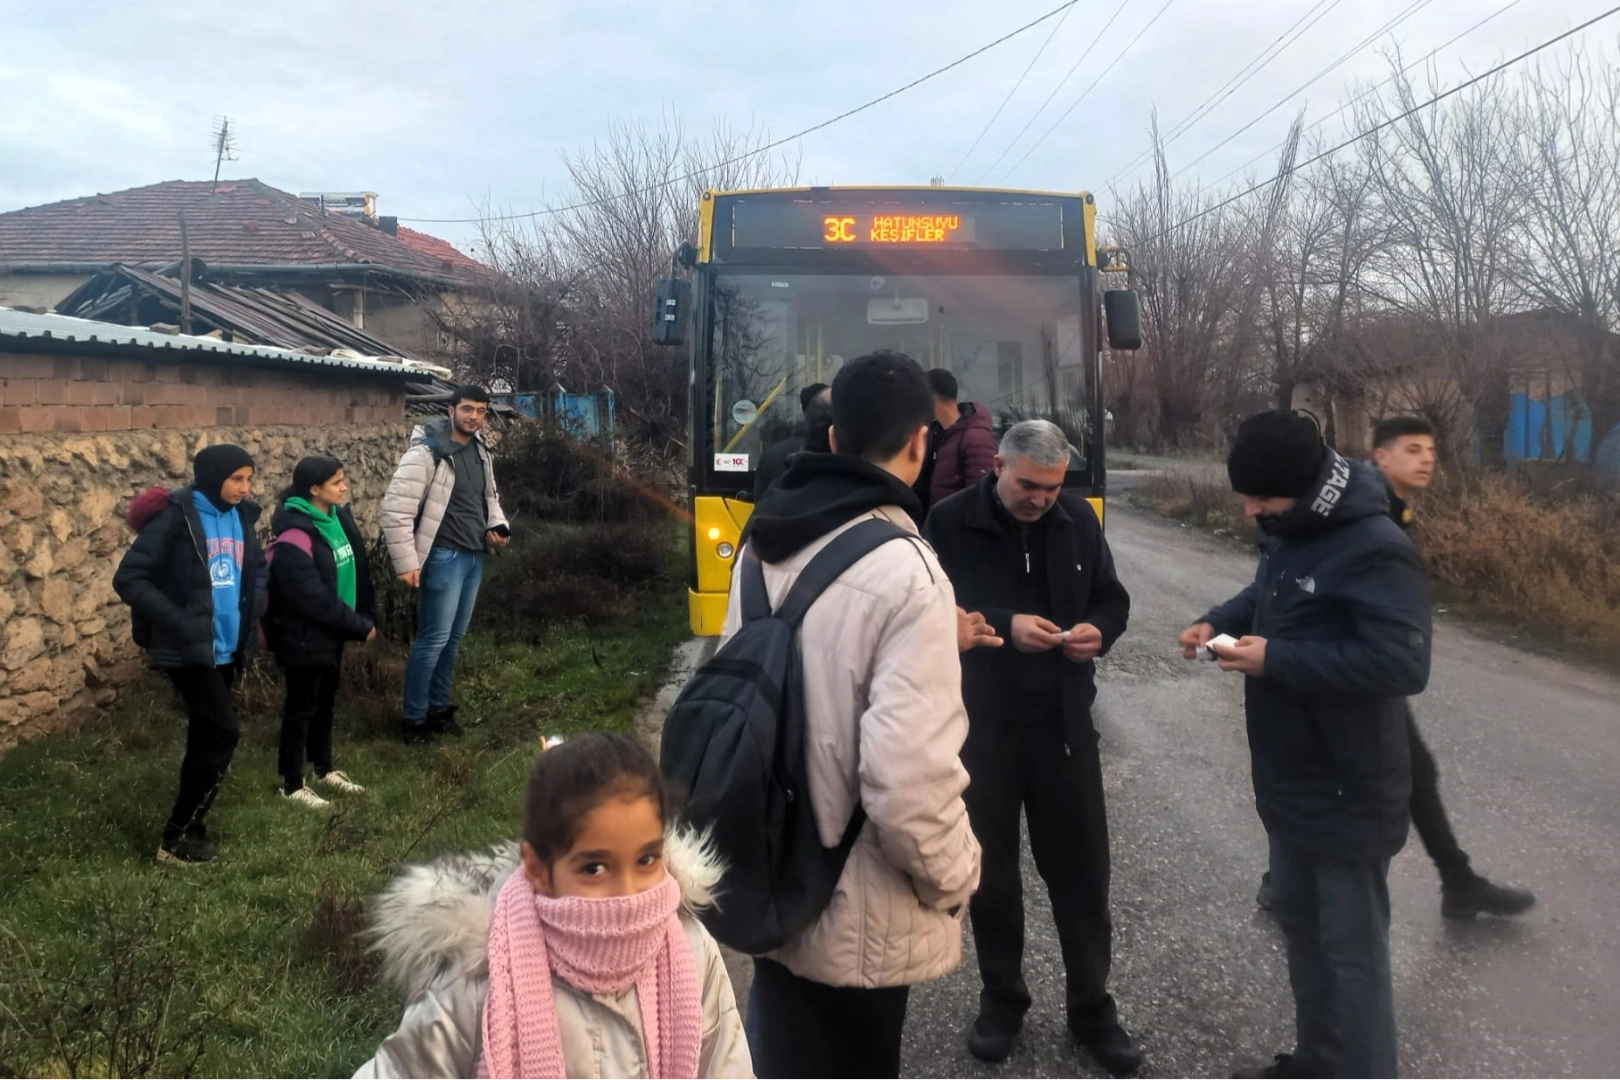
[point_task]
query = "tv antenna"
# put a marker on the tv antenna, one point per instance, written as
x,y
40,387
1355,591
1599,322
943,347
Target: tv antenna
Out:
x,y
224,144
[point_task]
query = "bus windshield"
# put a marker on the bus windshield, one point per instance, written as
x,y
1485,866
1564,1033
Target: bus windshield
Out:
x,y
1015,344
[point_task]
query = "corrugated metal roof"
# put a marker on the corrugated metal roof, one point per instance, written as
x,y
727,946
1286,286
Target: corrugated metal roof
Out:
x,y
25,326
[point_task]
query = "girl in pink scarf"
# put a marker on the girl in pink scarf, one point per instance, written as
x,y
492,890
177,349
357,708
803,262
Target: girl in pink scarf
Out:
x,y
596,965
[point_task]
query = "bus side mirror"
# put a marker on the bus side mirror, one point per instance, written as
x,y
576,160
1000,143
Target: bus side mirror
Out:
x,y
669,312
1124,317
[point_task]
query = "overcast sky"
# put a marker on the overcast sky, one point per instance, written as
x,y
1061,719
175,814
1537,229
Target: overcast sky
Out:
x,y
437,105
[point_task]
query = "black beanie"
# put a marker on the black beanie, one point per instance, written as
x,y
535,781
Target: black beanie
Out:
x,y
1276,454
214,465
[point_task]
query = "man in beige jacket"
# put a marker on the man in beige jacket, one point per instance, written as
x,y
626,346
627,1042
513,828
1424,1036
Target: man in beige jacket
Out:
x,y
884,727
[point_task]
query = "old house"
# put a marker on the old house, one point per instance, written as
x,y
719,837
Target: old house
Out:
x,y
93,413
396,284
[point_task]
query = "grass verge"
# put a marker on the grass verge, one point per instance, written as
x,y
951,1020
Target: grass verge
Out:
x,y
250,965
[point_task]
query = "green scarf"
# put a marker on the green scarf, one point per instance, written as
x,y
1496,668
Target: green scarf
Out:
x,y
331,530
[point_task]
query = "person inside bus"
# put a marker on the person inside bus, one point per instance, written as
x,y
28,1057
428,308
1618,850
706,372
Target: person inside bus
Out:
x,y
774,460
965,447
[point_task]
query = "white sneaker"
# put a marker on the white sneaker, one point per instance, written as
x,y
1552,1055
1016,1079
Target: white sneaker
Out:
x,y
339,781
305,797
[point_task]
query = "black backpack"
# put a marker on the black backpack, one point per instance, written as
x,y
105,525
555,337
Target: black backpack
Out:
x,y
734,744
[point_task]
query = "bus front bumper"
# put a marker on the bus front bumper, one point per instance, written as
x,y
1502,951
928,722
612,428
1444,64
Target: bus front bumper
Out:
x,y
708,611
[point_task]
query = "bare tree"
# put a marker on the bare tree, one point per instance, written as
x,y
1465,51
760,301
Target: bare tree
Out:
x,y
1449,197
1569,161
1192,291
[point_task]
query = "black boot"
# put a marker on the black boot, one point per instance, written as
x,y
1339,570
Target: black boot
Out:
x,y
1113,1048
990,1041
443,721
1477,896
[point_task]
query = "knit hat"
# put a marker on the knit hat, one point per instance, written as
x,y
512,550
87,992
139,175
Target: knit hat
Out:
x,y
214,465
1276,454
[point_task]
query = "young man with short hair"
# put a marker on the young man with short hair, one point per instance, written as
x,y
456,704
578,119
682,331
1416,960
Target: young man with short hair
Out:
x,y
964,443
884,725
440,515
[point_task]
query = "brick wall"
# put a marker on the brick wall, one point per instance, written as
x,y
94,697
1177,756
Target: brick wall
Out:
x,y
75,395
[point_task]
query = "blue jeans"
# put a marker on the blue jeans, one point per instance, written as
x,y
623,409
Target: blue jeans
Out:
x,y
1335,917
449,588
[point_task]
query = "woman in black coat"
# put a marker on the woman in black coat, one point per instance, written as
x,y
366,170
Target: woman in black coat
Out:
x,y
320,598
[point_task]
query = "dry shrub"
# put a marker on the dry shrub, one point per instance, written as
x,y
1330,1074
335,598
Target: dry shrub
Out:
x,y
1548,560
1203,499
593,573
546,474
334,936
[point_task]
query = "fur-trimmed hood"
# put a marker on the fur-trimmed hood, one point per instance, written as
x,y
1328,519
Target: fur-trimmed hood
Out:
x,y
432,921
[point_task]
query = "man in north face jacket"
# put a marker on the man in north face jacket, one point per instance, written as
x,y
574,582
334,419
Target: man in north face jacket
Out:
x,y
1333,636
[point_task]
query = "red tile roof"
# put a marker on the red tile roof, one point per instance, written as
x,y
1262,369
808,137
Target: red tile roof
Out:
x,y
441,249
243,223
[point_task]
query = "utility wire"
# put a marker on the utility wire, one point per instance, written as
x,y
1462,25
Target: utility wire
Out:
x,y
1376,128
1248,71
997,115
1417,6
1503,10
768,147
1123,4
1094,83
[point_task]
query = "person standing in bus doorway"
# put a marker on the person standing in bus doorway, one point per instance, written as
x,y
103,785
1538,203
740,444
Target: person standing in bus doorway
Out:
x,y
441,513
775,458
1404,451
884,726
965,446
1332,637
1032,560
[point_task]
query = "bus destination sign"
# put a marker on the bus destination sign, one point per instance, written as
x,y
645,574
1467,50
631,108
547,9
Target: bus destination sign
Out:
x,y
977,226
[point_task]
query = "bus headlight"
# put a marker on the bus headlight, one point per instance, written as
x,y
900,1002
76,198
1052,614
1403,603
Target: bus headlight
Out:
x,y
725,550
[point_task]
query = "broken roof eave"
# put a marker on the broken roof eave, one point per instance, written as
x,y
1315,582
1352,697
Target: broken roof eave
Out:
x,y
374,270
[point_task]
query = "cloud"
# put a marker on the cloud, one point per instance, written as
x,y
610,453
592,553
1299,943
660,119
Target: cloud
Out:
x,y
435,105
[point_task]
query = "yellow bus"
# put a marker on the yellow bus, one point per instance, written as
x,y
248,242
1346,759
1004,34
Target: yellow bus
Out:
x,y
1002,288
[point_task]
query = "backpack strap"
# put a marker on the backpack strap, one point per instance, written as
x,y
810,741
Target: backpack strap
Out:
x,y
755,596
846,549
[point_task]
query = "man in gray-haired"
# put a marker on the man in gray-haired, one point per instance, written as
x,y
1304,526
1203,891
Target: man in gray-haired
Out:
x,y
1032,560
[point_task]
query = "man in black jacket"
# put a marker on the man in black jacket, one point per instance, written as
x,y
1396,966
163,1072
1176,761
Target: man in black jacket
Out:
x,y
1404,451
1032,560
1333,636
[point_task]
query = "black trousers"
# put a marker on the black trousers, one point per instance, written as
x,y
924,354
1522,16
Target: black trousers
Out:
x,y
306,722
1429,814
797,1027
212,730
1024,766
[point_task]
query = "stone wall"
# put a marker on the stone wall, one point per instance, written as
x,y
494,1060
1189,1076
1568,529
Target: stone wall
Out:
x,y
65,646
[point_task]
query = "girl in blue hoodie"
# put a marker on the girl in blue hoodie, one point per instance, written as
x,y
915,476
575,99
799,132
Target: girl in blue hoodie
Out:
x,y
195,583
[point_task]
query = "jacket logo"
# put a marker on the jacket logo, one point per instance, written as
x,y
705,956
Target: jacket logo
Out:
x,y
1333,490
1306,584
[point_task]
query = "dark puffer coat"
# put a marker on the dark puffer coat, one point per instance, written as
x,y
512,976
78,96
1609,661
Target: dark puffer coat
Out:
x,y
164,579
1340,597
307,623
966,451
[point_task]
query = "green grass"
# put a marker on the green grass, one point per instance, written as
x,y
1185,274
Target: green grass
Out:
x,y
249,966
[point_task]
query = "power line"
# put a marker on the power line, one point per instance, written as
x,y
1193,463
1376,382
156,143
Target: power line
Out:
x,y
1376,128
997,115
1413,9
1503,10
1094,83
1123,4
1248,71
767,148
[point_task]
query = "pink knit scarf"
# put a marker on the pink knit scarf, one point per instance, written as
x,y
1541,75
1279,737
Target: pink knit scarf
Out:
x,y
599,947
